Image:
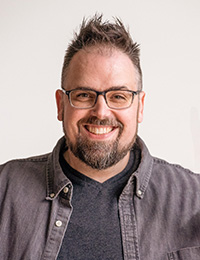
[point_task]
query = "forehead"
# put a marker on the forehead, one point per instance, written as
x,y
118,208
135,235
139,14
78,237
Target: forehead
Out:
x,y
100,68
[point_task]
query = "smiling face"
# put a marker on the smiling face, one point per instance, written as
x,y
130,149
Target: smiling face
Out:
x,y
100,136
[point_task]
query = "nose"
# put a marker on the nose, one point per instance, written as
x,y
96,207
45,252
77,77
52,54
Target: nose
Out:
x,y
101,109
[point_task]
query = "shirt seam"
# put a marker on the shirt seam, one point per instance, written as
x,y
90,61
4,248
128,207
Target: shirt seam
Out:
x,y
173,165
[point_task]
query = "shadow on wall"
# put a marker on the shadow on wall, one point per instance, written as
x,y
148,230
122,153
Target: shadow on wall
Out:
x,y
195,129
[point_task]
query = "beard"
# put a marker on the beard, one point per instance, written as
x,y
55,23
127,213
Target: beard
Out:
x,y
99,155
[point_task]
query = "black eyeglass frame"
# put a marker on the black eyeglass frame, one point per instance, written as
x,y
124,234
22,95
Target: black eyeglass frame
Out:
x,y
103,93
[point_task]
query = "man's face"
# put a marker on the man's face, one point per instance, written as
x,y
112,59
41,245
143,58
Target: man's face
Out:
x,y
100,136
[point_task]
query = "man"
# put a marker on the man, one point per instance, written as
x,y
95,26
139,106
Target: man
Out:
x,y
99,194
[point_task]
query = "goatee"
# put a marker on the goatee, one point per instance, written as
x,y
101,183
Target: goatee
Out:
x,y
99,154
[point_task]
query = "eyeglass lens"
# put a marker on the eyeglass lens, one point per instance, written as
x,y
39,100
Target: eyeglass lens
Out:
x,y
87,98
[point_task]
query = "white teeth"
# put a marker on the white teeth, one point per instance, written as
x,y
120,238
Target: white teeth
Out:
x,y
99,130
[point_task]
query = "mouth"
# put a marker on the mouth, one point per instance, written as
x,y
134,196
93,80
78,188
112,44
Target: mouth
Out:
x,y
99,130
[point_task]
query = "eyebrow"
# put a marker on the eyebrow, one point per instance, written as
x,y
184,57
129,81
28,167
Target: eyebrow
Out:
x,y
112,88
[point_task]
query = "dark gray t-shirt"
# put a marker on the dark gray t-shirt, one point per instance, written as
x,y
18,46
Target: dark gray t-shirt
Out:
x,y
94,231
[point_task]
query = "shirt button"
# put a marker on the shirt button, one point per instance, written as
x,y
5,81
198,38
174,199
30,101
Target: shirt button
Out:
x,y
139,192
58,223
52,195
65,190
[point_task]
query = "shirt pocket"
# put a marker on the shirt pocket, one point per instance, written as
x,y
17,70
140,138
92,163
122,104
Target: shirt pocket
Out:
x,y
190,253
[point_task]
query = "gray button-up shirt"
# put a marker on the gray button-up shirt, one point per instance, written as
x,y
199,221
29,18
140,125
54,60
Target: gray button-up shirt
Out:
x,y
159,209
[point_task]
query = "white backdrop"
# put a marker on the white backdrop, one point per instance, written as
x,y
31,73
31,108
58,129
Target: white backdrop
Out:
x,y
33,37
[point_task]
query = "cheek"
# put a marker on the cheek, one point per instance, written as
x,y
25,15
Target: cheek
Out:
x,y
129,120
71,118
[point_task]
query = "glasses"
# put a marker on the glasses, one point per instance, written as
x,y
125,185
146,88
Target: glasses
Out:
x,y
84,98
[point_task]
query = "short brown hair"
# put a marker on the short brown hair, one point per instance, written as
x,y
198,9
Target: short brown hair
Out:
x,y
96,32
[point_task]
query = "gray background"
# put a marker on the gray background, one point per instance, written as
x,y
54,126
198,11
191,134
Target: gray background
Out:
x,y
33,38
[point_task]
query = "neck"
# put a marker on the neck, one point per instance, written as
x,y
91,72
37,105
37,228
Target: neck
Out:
x,y
95,174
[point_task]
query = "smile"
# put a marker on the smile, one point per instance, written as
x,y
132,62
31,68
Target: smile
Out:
x,y
100,130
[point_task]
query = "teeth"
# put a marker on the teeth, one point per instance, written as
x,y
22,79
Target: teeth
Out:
x,y
99,130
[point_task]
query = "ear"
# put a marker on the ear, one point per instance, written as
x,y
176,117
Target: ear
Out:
x,y
141,106
59,102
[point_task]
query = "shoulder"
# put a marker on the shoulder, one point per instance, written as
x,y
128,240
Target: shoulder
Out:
x,y
28,160
22,177
23,166
161,164
175,175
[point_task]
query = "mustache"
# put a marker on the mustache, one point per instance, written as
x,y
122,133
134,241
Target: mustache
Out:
x,y
96,121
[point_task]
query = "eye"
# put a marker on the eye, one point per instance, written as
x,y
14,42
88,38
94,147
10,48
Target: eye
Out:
x,y
118,97
83,95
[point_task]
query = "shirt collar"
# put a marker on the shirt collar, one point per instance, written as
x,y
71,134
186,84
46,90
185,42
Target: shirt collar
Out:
x,y
57,180
144,170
